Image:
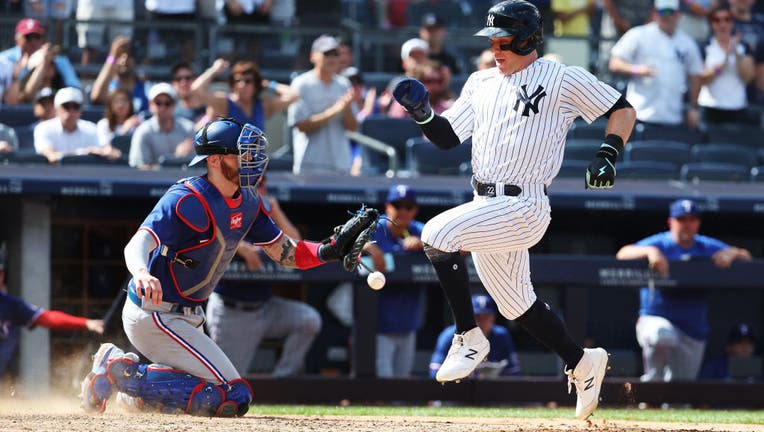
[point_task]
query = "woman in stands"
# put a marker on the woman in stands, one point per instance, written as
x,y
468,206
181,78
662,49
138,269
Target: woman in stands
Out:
x,y
119,117
250,99
42,73
729,67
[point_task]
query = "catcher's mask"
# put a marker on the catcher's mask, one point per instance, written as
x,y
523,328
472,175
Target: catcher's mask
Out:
x,y
517,18
228,136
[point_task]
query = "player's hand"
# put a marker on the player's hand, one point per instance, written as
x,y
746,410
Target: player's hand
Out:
x,y
600,174
657,261
147,286
414,98
94,325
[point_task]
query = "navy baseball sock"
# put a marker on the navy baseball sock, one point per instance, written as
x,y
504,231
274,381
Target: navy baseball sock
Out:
x,y
548,328
454,279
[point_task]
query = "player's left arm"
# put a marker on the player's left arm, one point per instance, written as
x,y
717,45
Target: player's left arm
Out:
x,y
725,257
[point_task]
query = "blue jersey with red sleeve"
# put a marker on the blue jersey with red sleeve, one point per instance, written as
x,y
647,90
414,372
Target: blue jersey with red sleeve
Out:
x,y
685,308
397,304
502,348
198,230
14,313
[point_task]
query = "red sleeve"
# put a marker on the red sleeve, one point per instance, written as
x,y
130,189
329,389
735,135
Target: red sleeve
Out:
x,y
57,320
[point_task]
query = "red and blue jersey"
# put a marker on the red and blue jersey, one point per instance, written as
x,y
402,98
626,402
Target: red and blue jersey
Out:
x,y
194,221
14,314
685,308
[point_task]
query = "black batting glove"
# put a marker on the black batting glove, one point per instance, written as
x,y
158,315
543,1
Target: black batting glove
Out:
x,y
601,171
414,98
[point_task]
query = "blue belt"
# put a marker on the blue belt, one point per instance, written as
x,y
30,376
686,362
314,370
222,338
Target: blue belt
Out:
x,y
171,307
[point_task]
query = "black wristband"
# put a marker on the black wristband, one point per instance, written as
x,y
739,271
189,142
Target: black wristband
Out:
x,y
614,141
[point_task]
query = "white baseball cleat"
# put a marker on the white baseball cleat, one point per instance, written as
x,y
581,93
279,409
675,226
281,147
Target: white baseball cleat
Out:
x,y
588,376
467,350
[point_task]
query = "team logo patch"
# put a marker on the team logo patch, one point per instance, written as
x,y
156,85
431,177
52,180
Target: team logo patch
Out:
x,y
236,219
489,21
531,101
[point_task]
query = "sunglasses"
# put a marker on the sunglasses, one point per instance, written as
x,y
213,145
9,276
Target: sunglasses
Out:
x,y
165,103
403,205
666,12
183,78
726,19
32,36
332,52
71,106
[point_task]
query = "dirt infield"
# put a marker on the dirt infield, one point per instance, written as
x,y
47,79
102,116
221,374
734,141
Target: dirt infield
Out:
x,y
65,416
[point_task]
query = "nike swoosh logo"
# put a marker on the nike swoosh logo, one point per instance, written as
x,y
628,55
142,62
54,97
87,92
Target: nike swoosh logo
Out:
x,y
589,383
471,355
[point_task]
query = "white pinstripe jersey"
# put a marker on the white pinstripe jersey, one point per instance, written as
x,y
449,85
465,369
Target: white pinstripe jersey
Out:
x,y
518,123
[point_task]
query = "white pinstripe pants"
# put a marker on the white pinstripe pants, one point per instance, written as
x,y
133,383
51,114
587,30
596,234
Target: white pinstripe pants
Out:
x,y
498,231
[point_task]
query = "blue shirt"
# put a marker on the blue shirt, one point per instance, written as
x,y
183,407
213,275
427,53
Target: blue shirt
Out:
x,y
14,314
63,66
502,348
139,93
257,118
686,309
398,304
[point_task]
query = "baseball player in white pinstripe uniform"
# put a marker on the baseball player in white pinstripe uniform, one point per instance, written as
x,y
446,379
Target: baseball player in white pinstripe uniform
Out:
x,y
518,115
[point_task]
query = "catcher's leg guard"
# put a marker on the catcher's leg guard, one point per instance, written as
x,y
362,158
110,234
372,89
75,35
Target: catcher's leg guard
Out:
x,y
238,397
97,386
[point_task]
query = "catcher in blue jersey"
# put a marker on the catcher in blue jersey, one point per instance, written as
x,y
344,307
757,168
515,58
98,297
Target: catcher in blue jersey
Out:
x,y
176,259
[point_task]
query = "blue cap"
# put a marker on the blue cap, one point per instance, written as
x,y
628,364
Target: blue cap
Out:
x,y
483,304
683,207
740,332
401,192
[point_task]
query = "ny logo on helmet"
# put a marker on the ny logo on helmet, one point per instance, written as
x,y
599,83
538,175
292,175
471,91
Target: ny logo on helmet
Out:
x,y
489,21
531,102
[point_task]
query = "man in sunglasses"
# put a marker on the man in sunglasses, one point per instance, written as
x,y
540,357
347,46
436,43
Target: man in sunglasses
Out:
x,y
517,115
398,305
67,134
663,62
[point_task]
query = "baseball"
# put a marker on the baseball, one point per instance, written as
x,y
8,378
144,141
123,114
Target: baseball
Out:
x,y
376,280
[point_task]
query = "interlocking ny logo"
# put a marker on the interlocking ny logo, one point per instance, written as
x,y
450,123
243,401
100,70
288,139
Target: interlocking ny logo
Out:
x,y
489,21
531,102
471,355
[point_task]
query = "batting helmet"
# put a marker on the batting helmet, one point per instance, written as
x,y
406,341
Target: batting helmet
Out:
x,y
516,18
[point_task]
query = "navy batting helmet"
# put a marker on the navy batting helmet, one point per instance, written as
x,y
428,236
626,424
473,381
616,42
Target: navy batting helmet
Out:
x,y
516,18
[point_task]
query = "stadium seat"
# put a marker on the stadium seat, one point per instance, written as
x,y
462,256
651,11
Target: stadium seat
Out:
x,y
450,12
23,156
581,148
713,171
740,134
25,135
426,158
174,162
573,168
760,156
581,129
89,159
647,170
391,131
280,164
122,142
17,115
724,153
757,174
648,132
674,152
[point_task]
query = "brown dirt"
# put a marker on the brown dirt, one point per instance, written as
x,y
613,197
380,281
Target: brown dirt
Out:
x,y
64,415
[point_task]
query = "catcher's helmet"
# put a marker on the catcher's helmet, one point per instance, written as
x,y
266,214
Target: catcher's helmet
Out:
x,y
216,137
518,18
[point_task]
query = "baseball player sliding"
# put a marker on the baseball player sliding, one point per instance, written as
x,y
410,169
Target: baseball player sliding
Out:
x,y
518,114
176,259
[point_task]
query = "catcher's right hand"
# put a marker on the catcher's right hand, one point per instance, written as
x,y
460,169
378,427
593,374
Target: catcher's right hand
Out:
x,y
348,240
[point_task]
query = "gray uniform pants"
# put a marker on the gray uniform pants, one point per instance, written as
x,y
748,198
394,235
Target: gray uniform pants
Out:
x,y
239,332
668,353
395,354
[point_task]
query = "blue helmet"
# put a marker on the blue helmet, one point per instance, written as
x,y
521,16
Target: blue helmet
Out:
x,y
228,136
515,17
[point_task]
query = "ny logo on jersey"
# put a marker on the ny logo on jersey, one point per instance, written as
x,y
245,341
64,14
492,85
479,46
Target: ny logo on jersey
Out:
x,y
531,102
236,219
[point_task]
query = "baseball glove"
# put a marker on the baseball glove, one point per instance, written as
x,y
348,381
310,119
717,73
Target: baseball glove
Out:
x,y
349,239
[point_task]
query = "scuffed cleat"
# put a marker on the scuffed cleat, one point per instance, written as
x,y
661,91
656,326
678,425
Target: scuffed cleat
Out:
x,y
96,387
587,377
467,351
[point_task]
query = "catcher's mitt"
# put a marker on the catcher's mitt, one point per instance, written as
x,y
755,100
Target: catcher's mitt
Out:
x,y
348,240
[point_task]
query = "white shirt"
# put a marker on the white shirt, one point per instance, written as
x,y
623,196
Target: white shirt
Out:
x,y
726,90
51,134
6,76
659,98
171,7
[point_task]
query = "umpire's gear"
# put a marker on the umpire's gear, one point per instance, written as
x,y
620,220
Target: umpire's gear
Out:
x,y
515,18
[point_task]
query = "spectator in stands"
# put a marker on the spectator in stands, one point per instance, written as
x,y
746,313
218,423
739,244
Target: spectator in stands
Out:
x,y
750,25
694,19
435,77
662,62
30,37
283,12
241,315
251,98
189,105
322,114
247,11
572,17
118,71
413,52
485,60
164,135
42,73
43,108
364,105
45,10
9,88
398,305
502,359
119,117
9,142
433,31
673,325
90,36
167,14
627,14
728,69
346,54
741,343
67,134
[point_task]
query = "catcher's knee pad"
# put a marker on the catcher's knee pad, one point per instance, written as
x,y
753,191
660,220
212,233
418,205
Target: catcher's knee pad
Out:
x,y
238,396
